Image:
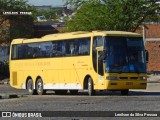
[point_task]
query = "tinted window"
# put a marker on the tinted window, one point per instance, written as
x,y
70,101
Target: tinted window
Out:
x,y
97,42
84,46
72,47
57,49
17,51
125,54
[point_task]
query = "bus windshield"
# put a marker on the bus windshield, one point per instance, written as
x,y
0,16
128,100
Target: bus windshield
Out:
x,y
125,55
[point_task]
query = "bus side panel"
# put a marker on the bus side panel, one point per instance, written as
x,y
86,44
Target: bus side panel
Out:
x,y
51,73
51,79
70,74
16,74
16,79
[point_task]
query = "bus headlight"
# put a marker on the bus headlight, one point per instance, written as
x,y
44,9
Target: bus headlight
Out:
x,y
143,78
112,78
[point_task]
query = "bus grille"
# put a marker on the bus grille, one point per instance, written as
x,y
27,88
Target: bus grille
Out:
x,y
123,77
135,78
14,78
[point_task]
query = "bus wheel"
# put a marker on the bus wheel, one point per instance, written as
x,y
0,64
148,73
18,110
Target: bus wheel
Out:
x,y
39,87
30,87
124,92
91,91
73,92
60,92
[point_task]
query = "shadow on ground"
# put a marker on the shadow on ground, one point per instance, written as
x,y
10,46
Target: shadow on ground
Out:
x,y
7,89
110,93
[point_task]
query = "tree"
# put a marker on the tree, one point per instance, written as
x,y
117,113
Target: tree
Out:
x,y
124,15
12,5
16,24
49,14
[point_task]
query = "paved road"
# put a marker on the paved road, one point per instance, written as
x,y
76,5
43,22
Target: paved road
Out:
x,y
144,100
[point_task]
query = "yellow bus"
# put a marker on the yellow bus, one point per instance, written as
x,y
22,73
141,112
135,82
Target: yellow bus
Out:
x,y
93,61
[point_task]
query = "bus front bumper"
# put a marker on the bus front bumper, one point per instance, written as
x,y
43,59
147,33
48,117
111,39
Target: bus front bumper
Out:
x,y
123,85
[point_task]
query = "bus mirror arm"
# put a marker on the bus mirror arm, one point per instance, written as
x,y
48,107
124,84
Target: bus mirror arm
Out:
x,y
104,66
105,52
103,55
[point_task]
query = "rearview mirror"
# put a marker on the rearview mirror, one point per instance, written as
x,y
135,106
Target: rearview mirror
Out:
x,y
102,55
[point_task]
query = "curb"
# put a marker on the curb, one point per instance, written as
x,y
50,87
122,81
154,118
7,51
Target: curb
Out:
x,y
153,81
5,96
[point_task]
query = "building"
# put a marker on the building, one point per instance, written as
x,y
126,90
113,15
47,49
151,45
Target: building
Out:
x,y
44,7
152,45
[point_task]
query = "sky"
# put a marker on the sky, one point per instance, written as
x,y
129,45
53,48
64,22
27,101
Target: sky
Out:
x,y
54,3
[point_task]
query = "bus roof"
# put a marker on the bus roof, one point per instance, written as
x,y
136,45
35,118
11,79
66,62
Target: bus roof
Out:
x,y
70,35
117,33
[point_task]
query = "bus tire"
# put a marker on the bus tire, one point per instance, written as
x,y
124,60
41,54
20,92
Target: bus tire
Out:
x,y
124,92
39,87
91,90
73,92
30,87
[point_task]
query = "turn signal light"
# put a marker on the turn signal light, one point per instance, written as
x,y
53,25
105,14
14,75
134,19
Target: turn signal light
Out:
x,y
143,78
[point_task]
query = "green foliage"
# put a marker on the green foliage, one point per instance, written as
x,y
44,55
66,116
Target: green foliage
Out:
x,y
49,14
89,17
124,15
19,25
76,4
13,5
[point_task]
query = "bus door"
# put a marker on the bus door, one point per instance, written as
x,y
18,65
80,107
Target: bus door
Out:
x,y
100,65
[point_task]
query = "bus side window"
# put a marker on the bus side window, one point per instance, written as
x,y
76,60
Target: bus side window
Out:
x,y
33,50
20,51
53,51
63,48
59,48
17,52
14,52
72,50
44,49
84,46
35,53
69,48
98,41
76,47
29,52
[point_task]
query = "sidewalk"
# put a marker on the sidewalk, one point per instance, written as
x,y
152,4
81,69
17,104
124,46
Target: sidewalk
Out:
x,y
153,78
6,91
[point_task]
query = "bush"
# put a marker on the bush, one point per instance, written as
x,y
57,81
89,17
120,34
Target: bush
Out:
x,y
4,69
